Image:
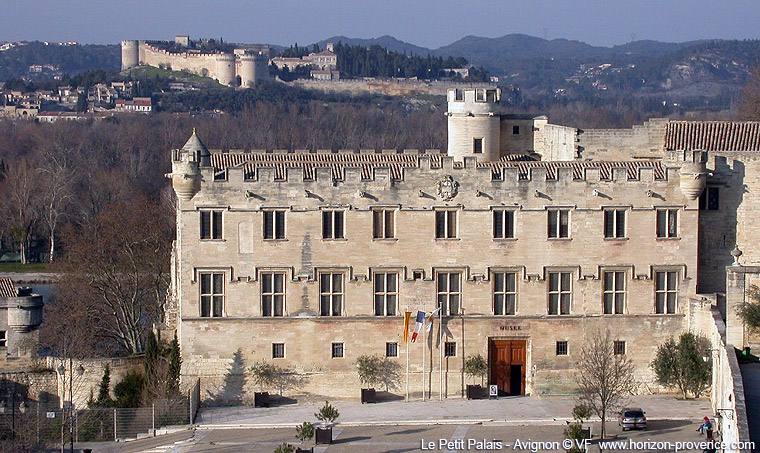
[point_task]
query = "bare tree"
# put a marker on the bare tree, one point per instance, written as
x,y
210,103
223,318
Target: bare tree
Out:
x,y
605,379
19,195
117,270
55,181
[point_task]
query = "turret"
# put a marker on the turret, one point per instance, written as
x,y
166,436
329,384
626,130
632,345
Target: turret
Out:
x,y
693,174
474,123
186,163
225,68
130,54
247,71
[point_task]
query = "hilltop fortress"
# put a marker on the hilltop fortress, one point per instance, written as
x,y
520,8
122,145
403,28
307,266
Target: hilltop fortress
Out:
x,y
245,66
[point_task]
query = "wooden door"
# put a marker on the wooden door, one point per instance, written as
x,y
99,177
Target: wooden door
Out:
x,y
507,366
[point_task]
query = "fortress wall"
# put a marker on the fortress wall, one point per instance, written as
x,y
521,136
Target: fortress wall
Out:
x,y
195,63
642,142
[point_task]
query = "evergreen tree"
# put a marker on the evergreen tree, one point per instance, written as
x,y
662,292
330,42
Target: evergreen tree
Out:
x,y
152,352
175,364
104,393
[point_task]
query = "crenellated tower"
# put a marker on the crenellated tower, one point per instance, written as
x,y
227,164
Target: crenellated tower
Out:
x,y
474,123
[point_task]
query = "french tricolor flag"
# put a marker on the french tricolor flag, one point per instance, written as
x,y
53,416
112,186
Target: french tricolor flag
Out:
x,y
418,325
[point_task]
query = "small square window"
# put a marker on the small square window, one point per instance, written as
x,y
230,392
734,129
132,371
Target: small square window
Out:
x,y
516,130
451,349
337,350
619,347
418,275
278,350
503,224
477,145
562,348
667,223
332,225
391,349
614,223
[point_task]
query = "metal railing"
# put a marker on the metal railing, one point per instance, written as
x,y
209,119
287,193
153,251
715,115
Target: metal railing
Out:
x,y
46,424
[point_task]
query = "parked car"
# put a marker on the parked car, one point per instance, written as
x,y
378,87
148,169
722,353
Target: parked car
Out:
x,y
632,417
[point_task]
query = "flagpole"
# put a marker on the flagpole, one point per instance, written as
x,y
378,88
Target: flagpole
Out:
x,y
440,347
407,370
423,361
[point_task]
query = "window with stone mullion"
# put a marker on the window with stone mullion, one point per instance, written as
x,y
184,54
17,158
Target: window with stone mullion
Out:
x,y
272,294
331,294
386,294
449,292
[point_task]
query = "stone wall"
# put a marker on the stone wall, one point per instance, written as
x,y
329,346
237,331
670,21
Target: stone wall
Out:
x,y
90,379
639,142
202,64
727,393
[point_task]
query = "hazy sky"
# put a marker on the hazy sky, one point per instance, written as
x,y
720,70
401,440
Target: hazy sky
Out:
x,y
424,23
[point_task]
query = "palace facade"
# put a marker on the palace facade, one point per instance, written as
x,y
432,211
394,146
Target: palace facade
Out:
x,y
528,236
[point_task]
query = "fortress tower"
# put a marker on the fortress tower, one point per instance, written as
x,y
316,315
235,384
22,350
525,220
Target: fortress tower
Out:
x,y
129,54
225,69
474,123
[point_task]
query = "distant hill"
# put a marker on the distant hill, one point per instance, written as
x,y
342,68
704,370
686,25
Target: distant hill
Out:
x,y
388,42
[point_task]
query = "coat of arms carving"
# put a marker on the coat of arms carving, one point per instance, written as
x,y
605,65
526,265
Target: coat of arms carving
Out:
x,y
448,187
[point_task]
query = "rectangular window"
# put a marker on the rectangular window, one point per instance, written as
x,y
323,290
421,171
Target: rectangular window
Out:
x,y
451,349
391,349
614,292
504,293
386,294
272,294
618,347
212,294
211,224
560,292
480,95
332,225
559,223
330,294
383,223
503,224
614,223
274,224
667,223
562,348
709,199
515,130
3,339
477,145
445,224
278,350
458,95
666,292
337,350
449,292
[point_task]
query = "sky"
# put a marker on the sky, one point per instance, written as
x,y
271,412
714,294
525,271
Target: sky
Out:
x,y
429,24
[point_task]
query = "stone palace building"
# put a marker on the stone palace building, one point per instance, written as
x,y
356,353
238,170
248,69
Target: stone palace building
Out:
x,y
528,236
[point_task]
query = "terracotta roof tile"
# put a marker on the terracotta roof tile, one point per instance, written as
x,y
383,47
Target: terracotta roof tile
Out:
x,y
6,288
368,162
713,135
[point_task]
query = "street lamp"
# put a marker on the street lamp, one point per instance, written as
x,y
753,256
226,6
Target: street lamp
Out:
x,y
12,394
62,371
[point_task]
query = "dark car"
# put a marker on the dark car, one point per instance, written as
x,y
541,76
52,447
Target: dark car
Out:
x,y
632,417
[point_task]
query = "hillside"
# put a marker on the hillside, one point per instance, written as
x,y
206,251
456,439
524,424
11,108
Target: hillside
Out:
x,y
388,42
69,59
